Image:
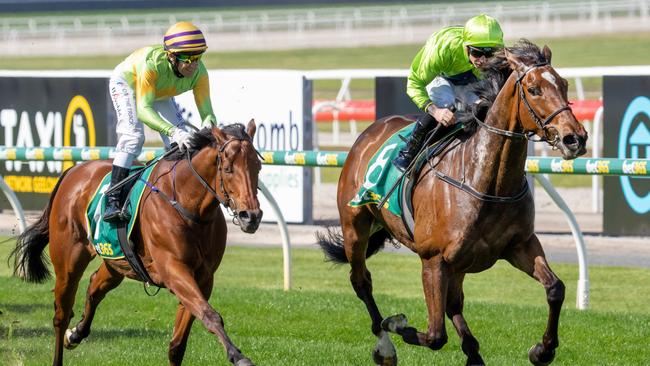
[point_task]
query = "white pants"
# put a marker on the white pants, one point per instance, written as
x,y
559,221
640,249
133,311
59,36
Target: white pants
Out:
x,y
443,93
130,131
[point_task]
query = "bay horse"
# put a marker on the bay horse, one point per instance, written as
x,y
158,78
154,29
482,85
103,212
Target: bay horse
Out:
x,y
181,252
464,228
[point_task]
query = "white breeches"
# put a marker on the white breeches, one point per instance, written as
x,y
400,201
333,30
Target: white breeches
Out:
x,y
443,93
130,131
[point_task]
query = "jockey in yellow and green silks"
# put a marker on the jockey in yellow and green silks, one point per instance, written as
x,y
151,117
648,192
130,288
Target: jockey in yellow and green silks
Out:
x,y
142,88
450,59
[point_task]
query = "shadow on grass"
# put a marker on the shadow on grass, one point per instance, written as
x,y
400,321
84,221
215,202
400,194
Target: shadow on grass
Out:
x,y
97,335
24,308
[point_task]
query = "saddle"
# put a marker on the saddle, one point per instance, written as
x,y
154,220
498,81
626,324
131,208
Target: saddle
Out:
x,y
382,179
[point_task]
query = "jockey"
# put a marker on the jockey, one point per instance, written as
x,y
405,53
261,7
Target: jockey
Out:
x,y
142,88
450,59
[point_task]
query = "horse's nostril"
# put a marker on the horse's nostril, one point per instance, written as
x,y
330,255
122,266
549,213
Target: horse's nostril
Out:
x,y
243,215
571,141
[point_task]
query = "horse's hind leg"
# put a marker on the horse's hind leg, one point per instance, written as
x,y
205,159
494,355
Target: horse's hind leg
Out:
x,y
69,262
101,282
529,257
455,303
182,327
356,224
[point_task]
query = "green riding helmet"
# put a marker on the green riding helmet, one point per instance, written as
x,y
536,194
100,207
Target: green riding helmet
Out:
x,y
482,31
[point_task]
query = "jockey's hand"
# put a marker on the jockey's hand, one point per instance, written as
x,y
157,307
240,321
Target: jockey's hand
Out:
x,y
443,115
182,138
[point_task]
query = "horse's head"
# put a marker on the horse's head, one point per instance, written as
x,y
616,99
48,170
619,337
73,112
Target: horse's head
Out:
x,y
542,103
238,166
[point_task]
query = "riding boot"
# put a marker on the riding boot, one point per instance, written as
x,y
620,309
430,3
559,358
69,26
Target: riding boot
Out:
x,y
414,142
113,212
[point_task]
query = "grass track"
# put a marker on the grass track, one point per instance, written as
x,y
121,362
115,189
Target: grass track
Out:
x,y
321,322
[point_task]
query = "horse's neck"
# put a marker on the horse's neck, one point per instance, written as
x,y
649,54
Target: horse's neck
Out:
x,y
496,163
190,192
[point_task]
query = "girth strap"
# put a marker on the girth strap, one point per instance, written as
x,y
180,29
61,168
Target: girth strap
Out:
x,y
479,195
134,260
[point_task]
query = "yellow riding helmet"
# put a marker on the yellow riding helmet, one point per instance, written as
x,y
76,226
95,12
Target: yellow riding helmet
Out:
x,y
184,37
482,31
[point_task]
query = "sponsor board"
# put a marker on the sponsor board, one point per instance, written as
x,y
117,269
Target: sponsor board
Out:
x,y
41,112
280,104
627,136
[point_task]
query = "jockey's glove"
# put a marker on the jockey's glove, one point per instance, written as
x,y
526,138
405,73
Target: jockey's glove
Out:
x,y
182,138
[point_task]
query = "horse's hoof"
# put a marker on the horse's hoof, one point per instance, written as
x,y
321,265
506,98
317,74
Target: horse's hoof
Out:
x,y
394,322
67,342
384,361
384,352
538,357
244,362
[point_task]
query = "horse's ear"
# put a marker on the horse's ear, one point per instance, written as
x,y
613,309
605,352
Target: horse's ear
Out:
x,y
546,51
515,63
218,135
251,128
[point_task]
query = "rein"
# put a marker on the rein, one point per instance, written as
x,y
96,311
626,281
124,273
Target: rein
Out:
x,y
541,123
228,202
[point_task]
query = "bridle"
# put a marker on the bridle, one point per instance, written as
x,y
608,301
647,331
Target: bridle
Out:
x,y
226,201
542,123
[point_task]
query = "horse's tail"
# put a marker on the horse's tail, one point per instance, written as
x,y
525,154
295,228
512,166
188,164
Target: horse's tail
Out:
x,y
331,242
30,262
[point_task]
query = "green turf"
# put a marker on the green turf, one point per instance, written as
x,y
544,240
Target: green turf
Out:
x,y
321,322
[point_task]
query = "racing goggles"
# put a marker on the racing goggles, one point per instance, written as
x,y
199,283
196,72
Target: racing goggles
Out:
x,y
479,52
188,59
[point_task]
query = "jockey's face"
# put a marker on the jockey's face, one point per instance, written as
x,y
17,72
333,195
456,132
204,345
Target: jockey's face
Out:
x,y
478,56
188,69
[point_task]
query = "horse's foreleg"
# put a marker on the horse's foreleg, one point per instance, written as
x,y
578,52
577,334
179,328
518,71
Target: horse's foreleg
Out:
x,y
101,282
455,303
182,327
180,280
435,282
69,262
529,257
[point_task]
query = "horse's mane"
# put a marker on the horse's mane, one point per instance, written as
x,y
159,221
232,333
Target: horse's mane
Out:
x,y
495,74
204,137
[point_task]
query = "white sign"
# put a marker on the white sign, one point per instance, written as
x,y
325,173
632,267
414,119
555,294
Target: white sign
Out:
x,y
275,100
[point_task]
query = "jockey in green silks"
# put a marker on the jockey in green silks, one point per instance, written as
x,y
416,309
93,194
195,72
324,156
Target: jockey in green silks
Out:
x,y
440,72
142,88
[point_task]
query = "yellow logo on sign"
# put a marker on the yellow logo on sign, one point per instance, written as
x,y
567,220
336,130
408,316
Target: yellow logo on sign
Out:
x,y
78,102
532,165
268,157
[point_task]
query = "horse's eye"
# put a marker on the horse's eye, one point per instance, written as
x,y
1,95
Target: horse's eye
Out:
x,y
228,169
535,90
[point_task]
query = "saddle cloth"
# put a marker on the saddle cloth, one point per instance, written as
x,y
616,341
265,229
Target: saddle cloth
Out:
x,y
103,234
381,174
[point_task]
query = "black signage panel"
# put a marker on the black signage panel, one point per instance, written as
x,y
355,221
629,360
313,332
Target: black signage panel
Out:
x,y
50,111
626,101
391,97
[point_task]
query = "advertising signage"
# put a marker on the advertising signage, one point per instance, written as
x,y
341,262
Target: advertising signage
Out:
x,y
626,101
50,111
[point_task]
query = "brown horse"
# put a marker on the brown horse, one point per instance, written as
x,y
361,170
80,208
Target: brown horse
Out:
x,y
486,215
181,252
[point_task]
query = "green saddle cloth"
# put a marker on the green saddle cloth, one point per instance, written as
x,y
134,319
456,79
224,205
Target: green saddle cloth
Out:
x,y
382,174
103,234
